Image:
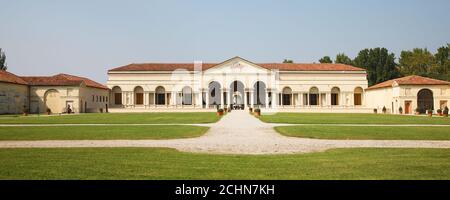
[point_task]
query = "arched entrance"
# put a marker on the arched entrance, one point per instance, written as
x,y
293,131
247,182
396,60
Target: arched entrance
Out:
x,y
335,96
214,93
138,95
237,95
187,95
357,96
287,96
259,94
160,95
425,100
314,96
117,94
52,101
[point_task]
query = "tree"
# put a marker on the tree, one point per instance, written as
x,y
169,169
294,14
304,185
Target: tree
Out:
x,y
343,59
3,65
416,62
442,66
326,59
288,61
379,64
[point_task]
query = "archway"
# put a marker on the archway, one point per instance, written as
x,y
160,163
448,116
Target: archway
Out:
x,y
117,94
160,95
259,93
287,96
138,95
425,100
335,91
357,96
214,93
314,96
53,101
187,96
237,94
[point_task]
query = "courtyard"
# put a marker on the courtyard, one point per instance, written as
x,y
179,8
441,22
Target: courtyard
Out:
x,y
234,146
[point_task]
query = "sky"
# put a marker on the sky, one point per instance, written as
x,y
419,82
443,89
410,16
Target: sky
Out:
x,y
87,38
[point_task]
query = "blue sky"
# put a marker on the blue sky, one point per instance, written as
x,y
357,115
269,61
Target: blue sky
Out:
x,y
89,37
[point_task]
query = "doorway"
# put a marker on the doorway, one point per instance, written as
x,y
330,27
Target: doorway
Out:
x,y
407,107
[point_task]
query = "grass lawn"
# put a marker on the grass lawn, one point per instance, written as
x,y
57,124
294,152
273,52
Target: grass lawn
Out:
x,y
160,163
101,132
347,118
369,133
116,118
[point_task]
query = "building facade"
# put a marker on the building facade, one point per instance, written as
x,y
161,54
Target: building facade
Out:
x,y
239,83
410,93
39,94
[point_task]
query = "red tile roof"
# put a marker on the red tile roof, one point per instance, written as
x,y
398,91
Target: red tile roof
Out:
x,y
409,80
205,66
62,80
11,78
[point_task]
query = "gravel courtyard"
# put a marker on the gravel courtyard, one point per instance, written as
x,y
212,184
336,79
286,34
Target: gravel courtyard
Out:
x,y
236,133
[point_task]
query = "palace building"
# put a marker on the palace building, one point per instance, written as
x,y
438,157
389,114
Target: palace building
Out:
x,y
238,83
235,83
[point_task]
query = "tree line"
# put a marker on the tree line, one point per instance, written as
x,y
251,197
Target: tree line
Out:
x,y
381,65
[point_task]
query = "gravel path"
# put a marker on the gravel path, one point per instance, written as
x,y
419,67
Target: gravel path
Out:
x,y
236,133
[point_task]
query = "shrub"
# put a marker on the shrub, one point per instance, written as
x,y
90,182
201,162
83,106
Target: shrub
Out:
x,y
49,111
220,110
375,111
384,109
101,110
257,110
417,110
446,110
400,110
439,111
429,111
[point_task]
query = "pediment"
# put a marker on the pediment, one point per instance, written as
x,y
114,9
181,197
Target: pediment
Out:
x,y
237,65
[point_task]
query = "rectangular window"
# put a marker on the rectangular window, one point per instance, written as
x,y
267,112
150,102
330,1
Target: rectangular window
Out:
x,y
106,99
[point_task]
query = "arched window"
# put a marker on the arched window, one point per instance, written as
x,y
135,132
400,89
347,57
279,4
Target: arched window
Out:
x,y
138,95
287,96
314,96
187,95
425,100
335,91
117,94
357,96
160,95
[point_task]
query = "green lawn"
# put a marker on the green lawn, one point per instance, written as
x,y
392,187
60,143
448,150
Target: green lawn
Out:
x,y
116,118
101,132
347,118
369,133
157,163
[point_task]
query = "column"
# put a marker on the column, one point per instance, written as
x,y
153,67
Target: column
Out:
x,y
154,98
207,100
281,98
245,98
328,95
266,103
320,99
300,99
229,98
252,99
222,99
165,96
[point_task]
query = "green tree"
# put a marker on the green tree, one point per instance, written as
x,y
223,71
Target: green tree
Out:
x,y
442,66
416,62
288,61
326,59
379,64
343,59
3,65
